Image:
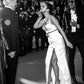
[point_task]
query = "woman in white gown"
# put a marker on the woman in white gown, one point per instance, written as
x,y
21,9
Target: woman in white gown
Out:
x,y
56,38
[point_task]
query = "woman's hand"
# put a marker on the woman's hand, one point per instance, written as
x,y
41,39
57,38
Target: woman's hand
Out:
x,y
39,13
69,44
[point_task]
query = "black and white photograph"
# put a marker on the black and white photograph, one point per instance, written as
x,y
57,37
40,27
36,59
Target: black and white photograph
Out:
x,y
41,41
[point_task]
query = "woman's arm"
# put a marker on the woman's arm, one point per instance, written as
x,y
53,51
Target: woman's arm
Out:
x,y
39,22
55,21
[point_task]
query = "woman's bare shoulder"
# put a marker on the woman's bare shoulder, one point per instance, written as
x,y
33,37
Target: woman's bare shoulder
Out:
x,y
53,18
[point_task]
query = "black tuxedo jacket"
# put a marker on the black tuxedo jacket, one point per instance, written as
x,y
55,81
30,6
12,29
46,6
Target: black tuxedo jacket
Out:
x,y
80,21
10,28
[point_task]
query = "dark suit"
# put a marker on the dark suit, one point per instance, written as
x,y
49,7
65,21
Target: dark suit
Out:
x,y
40,34
76,38
10,31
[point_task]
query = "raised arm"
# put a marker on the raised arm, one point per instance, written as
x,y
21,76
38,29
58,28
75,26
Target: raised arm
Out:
x,y
39,21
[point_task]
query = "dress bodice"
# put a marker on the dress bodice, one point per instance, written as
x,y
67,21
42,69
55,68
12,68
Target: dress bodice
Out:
x,y
49,26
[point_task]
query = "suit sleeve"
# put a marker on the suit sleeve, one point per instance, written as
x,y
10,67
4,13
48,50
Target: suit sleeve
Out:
x,y
14,33
11,31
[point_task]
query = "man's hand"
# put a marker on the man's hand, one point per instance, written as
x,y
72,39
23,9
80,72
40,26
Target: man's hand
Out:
x,y
11,54
78,26
73,23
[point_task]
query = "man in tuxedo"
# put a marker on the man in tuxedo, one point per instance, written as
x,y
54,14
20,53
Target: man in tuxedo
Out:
x,y
9,20
75,34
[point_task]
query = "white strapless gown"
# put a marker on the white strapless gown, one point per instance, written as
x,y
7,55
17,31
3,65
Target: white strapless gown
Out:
x,y
56,42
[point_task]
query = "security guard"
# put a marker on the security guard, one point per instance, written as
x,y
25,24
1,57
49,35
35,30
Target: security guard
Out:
x,y
10,32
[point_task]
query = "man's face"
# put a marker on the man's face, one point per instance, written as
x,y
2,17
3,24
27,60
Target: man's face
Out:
x,y
71,4
14,3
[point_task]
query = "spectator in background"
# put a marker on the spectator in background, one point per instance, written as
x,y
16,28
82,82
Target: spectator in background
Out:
x,y
75,34
1,72
40,34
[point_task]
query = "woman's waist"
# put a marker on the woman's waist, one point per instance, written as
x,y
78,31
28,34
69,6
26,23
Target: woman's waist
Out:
x,y
53,33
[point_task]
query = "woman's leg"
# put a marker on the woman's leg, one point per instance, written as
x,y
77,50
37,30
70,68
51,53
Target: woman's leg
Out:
x,y
49,74
64,74
55,67
48,66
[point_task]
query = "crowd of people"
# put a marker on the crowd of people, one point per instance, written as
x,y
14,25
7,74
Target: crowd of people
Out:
x,y
61,31
27,16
